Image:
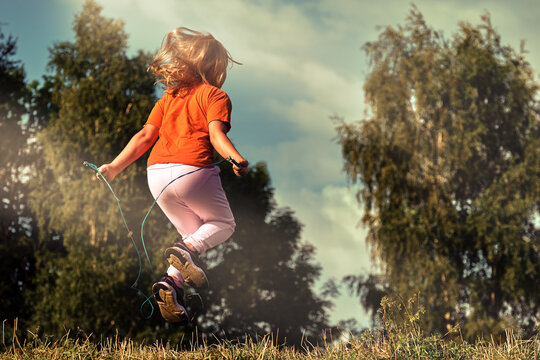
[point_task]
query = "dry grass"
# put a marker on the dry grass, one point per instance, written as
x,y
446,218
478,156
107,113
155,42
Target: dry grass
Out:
x,y
370,345
399,337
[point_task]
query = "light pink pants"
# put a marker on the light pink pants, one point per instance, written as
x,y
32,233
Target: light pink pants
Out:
x,y
195,204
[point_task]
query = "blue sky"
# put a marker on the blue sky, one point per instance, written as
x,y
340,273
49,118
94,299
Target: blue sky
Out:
x,y
302,63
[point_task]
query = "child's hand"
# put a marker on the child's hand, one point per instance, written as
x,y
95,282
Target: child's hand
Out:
x,y
243,170
108,171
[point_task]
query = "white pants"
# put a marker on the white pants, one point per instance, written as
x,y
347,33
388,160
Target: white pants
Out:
x,y
195,204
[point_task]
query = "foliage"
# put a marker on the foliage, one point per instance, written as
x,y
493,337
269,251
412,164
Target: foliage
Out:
x,y
17,127
449,162
99,97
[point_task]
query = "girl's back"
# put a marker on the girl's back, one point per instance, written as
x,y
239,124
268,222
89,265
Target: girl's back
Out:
x,y
183,125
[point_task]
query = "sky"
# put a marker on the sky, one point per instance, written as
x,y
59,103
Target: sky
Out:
x,y
301,64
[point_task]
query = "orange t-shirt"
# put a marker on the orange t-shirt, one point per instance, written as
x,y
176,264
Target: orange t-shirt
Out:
x,y
183,125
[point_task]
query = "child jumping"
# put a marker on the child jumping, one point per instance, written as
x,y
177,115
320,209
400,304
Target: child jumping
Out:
x,y
189,122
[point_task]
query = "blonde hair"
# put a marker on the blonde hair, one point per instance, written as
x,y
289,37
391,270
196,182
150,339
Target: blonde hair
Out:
x,y
188,57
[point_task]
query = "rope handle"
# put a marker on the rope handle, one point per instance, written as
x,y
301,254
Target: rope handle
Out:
x,y
230,159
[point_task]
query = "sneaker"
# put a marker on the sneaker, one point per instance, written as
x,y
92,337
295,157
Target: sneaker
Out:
x,y
170,299
187,262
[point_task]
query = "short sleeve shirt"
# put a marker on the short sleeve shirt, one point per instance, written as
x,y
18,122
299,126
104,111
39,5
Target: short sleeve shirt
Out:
x,y
183,125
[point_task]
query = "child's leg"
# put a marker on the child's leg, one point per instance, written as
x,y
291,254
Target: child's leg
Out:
x,y
195,204
210,204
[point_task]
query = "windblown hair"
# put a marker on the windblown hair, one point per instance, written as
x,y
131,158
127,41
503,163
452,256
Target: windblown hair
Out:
x,y
187,58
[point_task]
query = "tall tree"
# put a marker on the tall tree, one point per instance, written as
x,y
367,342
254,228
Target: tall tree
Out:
x,y
99,97
16,221
449,163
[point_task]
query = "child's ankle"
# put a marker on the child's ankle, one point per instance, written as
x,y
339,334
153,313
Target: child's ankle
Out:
x,y
191,247
178,282
175,275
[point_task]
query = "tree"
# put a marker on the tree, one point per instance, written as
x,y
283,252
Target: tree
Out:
x,y
16,221
449,162
98,98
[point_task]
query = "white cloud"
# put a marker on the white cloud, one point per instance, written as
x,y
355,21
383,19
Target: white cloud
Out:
x,y
333,215
309,117
302,163
325,85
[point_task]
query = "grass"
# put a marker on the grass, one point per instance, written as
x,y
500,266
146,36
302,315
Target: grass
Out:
x,y
399,337
369,345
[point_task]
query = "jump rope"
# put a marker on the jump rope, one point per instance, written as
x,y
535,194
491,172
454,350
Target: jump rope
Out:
x,y
130,233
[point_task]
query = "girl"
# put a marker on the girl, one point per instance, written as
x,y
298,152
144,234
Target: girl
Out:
x,y
189,122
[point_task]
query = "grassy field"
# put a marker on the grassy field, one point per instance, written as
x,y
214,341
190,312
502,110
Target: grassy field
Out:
x,y
370,345
400,336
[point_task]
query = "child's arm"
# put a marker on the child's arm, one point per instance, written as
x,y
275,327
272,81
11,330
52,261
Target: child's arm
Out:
x,y
138,145
223,145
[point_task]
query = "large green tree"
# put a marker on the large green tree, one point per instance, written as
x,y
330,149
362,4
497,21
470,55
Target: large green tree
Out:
x,y
16,222
98,98
448,160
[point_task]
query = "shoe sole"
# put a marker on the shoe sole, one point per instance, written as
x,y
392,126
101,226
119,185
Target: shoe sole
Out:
x,y
181,260
169,307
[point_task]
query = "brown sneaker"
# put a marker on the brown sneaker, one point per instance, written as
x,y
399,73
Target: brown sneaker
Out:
x,y
170,299
186,261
